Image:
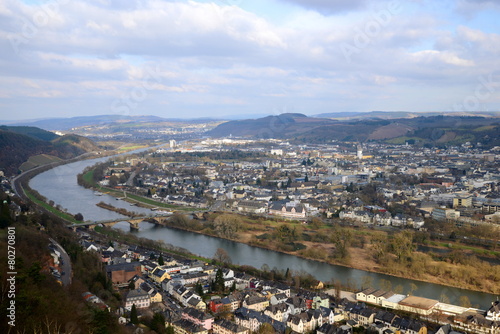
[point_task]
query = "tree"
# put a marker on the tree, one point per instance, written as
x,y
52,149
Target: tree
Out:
x,y
266,328
218,284
79,217
161,262
131,285
366,282
198,288
385,284
170,330
342,239
227,226
113,181
5,218
413,287
398,289
402,245
222,256
465,302
158,323
443,298
133,315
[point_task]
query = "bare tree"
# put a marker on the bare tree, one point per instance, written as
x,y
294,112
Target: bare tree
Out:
x,y
222,256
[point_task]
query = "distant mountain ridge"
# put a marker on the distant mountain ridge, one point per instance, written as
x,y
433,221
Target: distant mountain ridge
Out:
x,y
401,114
66,124
18,144
436,130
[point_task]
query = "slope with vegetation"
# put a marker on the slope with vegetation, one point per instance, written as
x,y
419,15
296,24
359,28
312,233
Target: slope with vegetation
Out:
x,y
41,303
18,144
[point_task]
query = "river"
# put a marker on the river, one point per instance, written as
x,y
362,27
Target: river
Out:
x,y
60,185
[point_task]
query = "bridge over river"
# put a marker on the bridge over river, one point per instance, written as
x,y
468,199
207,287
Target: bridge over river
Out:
x,y
135,221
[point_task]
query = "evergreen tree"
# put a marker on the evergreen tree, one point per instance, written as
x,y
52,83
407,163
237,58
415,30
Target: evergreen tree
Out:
x,y
161,262
133,315
158,323
199,289
5,219
219,281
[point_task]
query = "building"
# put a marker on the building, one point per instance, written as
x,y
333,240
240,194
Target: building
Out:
x,y
140,298
418,305
443,214
120,274
223,326
198,317
462,202
288,211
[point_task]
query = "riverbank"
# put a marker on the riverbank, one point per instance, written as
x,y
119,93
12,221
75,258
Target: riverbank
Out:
x,y
464,276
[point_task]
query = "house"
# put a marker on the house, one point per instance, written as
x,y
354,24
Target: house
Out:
x,y
446,329
231,303
137,281
332,329
257,207
493,313
296,304
305,321
89,246
278,312
159,275
366,316
196,302
91,298
373,296
223,326
288,211
256,303
140,298
198,317
184,326
250,319
278,298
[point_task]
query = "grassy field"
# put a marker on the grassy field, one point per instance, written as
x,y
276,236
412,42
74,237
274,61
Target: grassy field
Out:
x,y
51,209
130,148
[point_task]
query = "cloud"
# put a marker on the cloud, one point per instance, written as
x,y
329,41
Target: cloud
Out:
x,y
469,8
329,7
189,54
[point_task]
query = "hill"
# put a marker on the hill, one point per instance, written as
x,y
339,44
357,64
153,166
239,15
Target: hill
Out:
x,y
424,130
281,126
31,131
16,148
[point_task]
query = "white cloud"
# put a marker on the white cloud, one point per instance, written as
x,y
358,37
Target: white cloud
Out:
x,y
215,53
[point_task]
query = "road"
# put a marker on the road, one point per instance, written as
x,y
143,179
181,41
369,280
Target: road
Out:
x,y
65,265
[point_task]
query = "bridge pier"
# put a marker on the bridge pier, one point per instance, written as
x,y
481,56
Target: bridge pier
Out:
x,y
134,225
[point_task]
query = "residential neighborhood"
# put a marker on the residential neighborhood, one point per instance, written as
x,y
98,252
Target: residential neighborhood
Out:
x,y
200,297
372,184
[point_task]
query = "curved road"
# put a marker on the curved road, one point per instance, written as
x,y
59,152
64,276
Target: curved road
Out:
x,y
65,265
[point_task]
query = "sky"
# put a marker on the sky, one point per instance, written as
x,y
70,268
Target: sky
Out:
x,y
188,59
